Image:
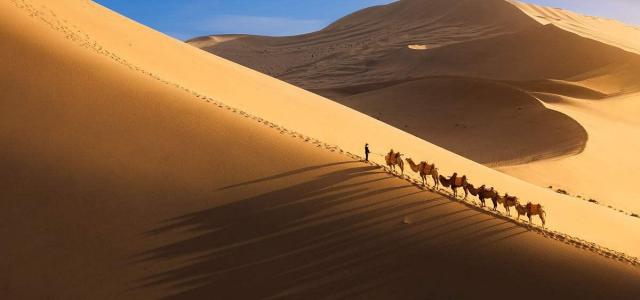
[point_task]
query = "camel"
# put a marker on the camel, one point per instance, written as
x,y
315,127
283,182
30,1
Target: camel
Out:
x,y
393,159
531,210
508,202
425,169
484,193
455,182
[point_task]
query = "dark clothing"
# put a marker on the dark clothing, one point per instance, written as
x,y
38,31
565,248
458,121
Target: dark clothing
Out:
x,y
366,152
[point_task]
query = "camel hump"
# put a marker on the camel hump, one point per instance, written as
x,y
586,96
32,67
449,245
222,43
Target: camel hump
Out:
x,y
534,209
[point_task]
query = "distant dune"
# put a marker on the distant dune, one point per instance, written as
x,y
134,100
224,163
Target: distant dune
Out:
x,y
135,166
384,60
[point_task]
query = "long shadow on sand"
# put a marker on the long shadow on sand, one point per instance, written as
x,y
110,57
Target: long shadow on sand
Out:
x,y
336,235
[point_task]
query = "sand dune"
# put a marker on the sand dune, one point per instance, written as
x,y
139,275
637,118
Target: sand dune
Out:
x,y
482,119
355,44
563,59
605,170
491,39
129,175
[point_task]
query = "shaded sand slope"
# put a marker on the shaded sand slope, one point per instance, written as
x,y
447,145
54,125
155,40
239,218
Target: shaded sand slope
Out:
x,y
118,182
117,186
545,52
347,52
481,119
413,38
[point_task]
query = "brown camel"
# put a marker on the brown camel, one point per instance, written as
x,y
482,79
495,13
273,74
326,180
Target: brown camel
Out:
x,y
455,182
531,210
393,159
484,193
425,169
508,202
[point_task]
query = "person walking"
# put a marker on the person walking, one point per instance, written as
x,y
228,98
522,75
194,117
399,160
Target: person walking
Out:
x,y
366,152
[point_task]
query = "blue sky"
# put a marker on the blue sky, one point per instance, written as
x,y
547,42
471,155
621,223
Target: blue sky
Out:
x,y
185,19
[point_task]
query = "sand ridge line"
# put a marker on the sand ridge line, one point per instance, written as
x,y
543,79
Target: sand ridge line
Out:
x,y
71,32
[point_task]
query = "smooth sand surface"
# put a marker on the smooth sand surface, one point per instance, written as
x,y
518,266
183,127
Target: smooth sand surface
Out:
x,y
481,119
606,170
122,179
576,70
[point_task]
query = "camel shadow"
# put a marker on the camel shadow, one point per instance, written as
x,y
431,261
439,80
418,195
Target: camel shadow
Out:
x,y
286,174
338,234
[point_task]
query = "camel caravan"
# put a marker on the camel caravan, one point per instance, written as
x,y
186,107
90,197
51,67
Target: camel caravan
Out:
x,y
455,182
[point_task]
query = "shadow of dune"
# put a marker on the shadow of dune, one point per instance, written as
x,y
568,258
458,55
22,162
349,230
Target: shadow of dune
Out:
x,y
351,232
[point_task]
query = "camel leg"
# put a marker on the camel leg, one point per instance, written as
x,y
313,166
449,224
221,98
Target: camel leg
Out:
x,y
437,183
542,219
529,215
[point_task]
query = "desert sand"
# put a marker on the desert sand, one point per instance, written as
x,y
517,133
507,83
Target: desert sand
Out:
x,y
136,167
568,80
